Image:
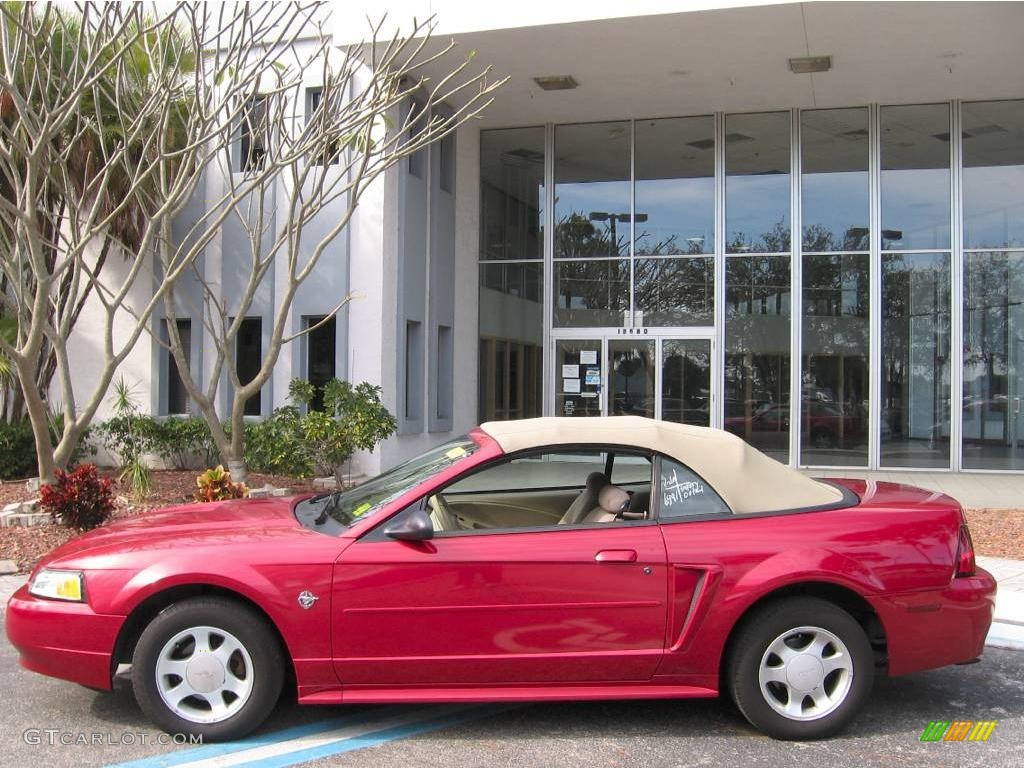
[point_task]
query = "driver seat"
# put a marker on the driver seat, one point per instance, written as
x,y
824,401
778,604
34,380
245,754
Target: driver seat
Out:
x,y
441,514
612,502
586,501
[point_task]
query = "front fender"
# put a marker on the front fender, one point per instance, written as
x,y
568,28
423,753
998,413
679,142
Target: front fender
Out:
x,y
273,588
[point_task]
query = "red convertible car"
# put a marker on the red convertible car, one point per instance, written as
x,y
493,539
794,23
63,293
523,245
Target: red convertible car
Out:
x,y
556,558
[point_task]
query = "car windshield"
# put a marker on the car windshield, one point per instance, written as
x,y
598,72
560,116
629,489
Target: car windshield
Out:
x,y
348,506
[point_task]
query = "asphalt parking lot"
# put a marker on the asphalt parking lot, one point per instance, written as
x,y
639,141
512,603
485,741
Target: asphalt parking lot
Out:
x,y
626,733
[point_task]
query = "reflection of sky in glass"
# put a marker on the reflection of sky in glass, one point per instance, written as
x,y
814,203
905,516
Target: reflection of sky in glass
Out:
x,y
835,202
754,206
916,203
994,206
680,216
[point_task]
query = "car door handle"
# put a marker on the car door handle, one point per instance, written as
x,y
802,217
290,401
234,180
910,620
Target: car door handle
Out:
x,y
616,556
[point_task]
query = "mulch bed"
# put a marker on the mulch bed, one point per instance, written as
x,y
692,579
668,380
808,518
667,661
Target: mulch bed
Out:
x,y
996,532
26,545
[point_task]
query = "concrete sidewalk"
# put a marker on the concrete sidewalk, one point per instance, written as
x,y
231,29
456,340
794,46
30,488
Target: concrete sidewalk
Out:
x,y
1008,625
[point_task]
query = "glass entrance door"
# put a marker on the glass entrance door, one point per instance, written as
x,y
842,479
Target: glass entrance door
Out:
x,y
656,377
631,377
685,380
579,377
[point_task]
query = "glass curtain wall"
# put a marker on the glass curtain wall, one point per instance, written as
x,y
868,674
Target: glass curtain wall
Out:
x,y
635,243
592,224
757,280
915,357
993,293
511,273
835,199
674,245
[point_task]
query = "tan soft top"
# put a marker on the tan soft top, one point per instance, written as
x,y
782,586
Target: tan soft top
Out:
x,y
746,479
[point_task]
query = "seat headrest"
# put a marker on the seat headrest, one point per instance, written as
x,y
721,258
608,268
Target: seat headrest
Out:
x,y
613,499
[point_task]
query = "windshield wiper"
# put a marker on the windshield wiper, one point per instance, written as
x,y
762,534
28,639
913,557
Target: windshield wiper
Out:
x,y
325,512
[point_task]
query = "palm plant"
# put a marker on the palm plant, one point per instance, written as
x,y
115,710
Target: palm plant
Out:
x,y
88,146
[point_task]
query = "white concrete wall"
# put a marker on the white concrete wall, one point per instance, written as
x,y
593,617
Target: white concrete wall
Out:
x,y
86,346
464,415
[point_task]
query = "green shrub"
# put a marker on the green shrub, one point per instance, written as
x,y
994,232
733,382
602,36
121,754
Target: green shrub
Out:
x,y
80,499
298,441
18,448
275,446
354,418
182,442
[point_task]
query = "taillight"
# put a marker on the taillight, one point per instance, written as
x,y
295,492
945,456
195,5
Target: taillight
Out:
x,y
965,565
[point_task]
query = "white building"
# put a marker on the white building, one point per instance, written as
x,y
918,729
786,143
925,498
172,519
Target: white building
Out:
x,y
614,235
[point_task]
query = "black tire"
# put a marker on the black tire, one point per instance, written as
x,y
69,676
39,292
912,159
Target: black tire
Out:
x,y
256,637
750,646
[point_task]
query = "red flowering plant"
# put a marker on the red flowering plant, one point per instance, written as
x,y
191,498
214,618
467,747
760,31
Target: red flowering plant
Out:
x,y
79,499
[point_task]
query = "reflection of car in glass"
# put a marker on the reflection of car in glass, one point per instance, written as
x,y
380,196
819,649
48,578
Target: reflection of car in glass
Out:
x,y
824,423
545,559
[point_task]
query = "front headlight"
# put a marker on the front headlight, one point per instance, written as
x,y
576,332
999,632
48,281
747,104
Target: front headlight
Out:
x,y
59,585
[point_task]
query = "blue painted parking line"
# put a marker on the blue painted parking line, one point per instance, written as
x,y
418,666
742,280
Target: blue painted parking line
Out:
x,y
373,739
181,757
312,741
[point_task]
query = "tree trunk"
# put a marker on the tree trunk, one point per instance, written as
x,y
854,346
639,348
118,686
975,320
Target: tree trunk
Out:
x,y
39,416
235,457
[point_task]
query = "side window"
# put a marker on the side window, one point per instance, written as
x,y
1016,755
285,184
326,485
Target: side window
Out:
x,y
684,494
547,488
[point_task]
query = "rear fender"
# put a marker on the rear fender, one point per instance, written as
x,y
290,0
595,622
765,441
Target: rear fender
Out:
x,y
814,564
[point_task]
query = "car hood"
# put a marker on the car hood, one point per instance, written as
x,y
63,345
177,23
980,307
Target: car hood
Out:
x,y
218,523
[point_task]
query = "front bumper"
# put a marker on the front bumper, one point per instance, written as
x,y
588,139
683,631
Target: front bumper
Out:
x,y
62,639
935,628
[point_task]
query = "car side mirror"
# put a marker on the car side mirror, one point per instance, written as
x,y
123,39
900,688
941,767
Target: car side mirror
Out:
x,y
411,526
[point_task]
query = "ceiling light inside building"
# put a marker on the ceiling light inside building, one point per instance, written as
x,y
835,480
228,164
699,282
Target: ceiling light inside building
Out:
x,y
556,82
805,65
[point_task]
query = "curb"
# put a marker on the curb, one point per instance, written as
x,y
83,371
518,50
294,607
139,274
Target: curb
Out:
x,y
1006,634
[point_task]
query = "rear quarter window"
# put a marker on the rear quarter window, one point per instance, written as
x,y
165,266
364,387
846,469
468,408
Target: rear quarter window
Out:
x,y
682,493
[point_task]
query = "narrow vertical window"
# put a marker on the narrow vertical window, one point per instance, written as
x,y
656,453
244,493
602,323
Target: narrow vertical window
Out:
x,y
413,369
177,395
417,120
254,131
446,148
445,371
314,102
320,356
249,358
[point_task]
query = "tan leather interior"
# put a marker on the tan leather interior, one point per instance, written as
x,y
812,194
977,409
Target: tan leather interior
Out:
x,y
612,502
441,515
511,509
586,501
